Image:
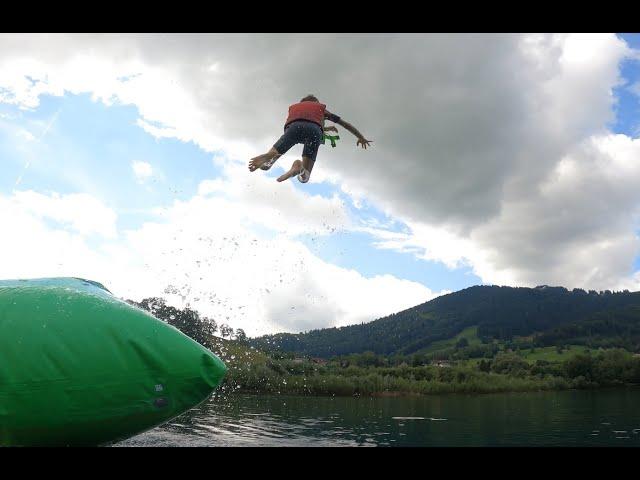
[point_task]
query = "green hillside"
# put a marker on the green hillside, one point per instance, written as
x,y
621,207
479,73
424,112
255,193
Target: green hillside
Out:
x,y
518,317
465,362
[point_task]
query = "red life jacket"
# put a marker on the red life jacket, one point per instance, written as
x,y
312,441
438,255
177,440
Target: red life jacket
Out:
x,y
311,111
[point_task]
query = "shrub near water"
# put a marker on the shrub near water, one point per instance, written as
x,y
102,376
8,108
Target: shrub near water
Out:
x,y
507,372
283,376
469,366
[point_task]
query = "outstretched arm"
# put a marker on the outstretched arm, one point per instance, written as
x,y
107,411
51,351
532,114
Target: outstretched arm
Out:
x,y
361,140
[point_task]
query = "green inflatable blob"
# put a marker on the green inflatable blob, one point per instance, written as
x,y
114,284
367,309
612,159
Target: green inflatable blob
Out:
x,y
81,367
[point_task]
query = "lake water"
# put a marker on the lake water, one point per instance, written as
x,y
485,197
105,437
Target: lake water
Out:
x,y
568,418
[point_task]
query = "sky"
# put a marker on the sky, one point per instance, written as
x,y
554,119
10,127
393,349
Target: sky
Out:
x,y
500,159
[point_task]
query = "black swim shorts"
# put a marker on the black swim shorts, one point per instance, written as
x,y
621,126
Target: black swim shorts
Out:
x,y
301,131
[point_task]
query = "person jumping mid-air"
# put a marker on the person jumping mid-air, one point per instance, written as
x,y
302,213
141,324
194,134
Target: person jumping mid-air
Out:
x,y
305,124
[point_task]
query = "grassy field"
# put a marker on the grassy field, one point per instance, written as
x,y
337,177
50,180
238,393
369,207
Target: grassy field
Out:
x,y
470,333
236,355
550,354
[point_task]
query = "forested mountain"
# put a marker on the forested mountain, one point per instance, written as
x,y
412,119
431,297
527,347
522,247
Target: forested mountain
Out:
x,y
541,316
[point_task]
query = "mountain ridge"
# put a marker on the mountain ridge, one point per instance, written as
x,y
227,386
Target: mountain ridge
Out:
x,y
547,314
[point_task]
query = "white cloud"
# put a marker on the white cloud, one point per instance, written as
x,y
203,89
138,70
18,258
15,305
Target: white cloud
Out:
x,y
49,235
203,252
81,212
577,230
142,170
279,207
580,228
26,135
493,149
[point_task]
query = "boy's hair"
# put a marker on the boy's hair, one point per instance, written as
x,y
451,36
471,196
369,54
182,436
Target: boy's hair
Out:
x,y
309,98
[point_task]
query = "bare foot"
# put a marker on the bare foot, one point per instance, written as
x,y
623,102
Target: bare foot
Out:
x,y
295,169
269,163
259,161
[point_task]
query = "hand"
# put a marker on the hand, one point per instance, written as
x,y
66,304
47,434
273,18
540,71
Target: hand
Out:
x,y
364,142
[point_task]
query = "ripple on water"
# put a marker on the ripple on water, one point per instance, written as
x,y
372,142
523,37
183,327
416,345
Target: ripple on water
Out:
x,y
264,421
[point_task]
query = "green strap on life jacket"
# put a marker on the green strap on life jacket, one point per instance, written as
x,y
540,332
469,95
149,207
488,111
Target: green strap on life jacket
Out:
x,y
331,138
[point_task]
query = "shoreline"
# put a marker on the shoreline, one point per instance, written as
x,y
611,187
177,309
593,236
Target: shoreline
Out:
x,y
408,394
